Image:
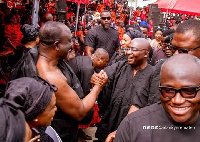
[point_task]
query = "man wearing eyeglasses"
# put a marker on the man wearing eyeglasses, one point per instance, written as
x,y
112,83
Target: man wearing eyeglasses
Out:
x,y
177,116
185,40
127,80
102,36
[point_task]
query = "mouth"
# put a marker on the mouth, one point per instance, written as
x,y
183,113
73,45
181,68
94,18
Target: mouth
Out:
x,y
130,58
180,110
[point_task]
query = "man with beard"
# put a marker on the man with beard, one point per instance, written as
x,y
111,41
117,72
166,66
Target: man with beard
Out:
x,y
177,116
102,36
127,80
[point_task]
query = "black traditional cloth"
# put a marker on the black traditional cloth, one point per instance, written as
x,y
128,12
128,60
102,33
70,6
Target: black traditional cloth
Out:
x,y
33,96
12,122
151,124
154,93
97,37
83,68
120,93
134,34
65,126
30,33
117,56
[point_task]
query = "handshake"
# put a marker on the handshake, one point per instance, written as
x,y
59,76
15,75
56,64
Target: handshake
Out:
x,y
99,79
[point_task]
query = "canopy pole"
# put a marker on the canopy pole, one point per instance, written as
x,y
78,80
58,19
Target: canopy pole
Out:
x,y
35,11
77,14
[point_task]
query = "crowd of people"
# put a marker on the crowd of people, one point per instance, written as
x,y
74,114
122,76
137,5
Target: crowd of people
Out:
x,y
113,72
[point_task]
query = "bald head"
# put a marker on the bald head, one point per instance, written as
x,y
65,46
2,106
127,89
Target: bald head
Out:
x,y
100,58
140,43
52,31
101,53
47,17
181,66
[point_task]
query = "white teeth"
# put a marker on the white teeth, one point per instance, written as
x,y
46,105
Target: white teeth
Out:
x,y
180,109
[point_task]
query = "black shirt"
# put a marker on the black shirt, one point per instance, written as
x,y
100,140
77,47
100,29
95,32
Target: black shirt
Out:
x,y
97,37
151,124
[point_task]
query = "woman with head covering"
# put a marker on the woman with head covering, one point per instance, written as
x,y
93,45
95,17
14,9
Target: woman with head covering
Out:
x,y
130,35
36,99
127,37
30,35
30,39
11,121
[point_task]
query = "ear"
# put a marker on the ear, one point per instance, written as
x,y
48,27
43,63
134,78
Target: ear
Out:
x,y
146,54
56,45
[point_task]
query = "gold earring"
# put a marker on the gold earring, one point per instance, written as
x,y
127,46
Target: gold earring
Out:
x,y
36,120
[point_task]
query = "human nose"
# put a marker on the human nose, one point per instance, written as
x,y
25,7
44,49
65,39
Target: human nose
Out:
x,y
178,99
128,51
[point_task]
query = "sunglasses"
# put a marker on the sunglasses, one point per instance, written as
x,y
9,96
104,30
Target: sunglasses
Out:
x,y
185,92
181,50
104,18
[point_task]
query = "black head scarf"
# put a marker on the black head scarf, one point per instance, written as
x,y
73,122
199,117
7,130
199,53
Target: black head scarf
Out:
x,y
32,95
12,122
134,34
30,33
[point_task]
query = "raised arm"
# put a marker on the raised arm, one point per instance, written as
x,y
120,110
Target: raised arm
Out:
x,y
67,99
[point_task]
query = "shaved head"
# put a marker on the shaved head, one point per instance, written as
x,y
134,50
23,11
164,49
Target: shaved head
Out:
x,y
140,43
182,65
102,53
180,74
52,31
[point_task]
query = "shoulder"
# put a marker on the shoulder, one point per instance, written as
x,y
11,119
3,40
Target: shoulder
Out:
x,y
145,113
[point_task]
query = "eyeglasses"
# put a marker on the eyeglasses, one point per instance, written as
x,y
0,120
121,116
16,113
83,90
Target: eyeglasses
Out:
x,y
186,92
133,49
181,50
104,18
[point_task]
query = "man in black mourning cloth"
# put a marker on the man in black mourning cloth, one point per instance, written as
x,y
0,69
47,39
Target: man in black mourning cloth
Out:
x,y
177,116
55,43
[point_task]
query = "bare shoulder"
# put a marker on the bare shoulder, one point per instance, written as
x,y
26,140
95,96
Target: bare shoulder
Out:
x,y
56,78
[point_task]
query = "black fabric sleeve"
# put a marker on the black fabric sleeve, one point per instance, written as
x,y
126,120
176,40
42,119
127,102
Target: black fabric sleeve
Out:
x,y
118,43
154,94
90,38
123,132
74,65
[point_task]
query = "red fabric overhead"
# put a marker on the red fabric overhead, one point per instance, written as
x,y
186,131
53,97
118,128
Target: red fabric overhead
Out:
x,y
191,7
79,1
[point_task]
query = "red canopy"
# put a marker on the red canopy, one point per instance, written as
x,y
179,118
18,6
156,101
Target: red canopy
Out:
x,y
191,7
79,1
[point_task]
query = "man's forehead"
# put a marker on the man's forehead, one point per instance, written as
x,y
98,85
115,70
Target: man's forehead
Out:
x,y
105,14
185,40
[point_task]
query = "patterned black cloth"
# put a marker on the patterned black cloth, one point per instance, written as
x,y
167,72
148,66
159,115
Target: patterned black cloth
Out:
x,y
12,122
30,33
134,34
120,93
65,126
31,95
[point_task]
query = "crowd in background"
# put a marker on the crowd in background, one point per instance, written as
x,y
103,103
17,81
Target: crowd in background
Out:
x,y
17,35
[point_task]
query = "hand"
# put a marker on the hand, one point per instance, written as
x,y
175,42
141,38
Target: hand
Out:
x,y
99,79
111,136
